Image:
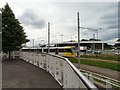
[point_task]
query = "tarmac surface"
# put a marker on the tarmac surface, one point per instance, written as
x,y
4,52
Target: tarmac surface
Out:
x,y
20,74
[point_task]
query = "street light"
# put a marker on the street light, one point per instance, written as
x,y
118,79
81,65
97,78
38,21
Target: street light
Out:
x,y
48,37
94,41
61,38
33,42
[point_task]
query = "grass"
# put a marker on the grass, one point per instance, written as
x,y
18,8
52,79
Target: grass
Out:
x,y
109,65
104,57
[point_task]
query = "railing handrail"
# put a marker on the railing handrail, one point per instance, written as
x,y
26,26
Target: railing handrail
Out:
x,y
78,75
87,83
100,75
105,79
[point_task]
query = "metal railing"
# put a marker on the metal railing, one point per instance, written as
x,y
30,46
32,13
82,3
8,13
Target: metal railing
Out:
x,y
63,71
100,80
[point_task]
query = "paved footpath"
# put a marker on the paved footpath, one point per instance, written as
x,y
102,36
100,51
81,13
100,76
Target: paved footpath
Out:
x,y
20,74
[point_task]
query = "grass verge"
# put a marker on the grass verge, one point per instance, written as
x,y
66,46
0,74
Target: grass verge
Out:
x,y
104,57
109,65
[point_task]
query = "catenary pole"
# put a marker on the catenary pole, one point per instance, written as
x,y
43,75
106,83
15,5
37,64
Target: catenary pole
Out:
x,y
78,40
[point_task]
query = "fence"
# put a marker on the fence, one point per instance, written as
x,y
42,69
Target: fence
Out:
x,y
102,81
64,72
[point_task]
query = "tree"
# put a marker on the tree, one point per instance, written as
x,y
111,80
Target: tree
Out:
x,y
117,44
72,41
118,40
92,39
13,35
0,32
84,40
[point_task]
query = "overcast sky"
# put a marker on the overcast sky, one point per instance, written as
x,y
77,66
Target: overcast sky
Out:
x,y
34,16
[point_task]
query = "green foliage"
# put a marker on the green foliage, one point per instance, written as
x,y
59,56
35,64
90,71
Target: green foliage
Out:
x,y
109,65
13,35
84,40
92,39
73,60
113,66
102,56
118,40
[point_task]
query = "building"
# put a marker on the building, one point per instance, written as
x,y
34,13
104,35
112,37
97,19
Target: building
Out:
x,y
93,45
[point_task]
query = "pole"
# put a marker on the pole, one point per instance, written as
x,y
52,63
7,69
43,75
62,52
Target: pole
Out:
x,y
61,38
48,37
97,36
94,41
78,40
97,40
33,42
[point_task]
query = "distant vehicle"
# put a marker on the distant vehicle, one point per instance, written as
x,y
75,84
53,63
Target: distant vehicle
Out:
x,y
112,50
117,53
83,48
88,51
97,52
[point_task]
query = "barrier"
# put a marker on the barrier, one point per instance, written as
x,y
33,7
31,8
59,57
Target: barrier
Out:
x,y
63,71
101,80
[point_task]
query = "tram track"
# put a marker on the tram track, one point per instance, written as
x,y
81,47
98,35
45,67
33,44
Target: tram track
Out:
x,y
101,80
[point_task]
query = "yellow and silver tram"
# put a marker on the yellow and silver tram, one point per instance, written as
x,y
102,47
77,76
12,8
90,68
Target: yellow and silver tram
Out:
x,y
67,51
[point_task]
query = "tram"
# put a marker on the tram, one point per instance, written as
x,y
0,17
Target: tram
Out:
x,y
67,51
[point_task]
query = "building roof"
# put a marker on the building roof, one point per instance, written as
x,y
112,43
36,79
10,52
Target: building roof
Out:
x,y
81,42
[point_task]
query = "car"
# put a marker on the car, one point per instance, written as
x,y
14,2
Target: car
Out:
x,y
97,52
88,51
117,53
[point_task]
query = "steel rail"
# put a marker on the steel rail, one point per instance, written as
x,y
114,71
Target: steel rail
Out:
x,y
105,79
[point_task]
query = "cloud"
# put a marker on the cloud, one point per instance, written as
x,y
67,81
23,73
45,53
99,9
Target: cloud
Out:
x,y
109,22
109,19
112,34
63,18
30,18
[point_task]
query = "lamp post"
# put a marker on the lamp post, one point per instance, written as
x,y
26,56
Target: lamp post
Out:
x,y
94,41
48,37
33,42
61,38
